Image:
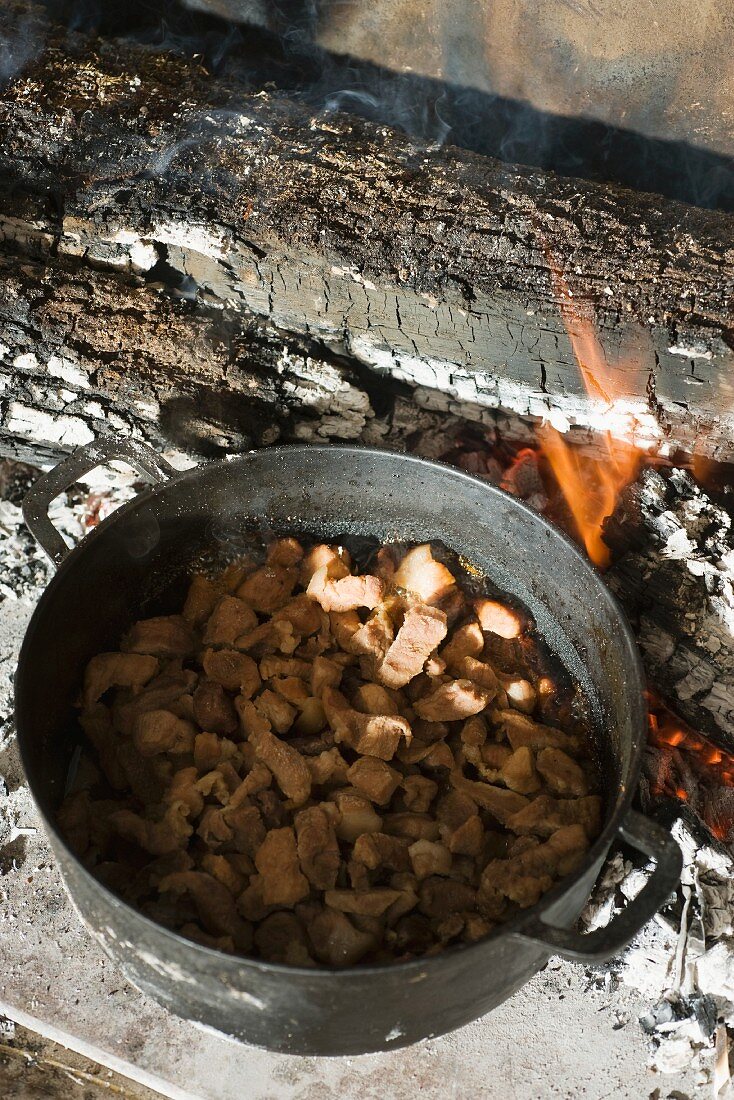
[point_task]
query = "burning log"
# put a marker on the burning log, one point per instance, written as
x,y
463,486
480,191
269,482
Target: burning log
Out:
x,y
673,570
434,268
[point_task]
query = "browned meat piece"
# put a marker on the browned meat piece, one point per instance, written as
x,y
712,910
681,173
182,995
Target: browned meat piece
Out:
x,y
160,731
346,593
374,699
480,673
209,750
221,782
214,903
499,618
165,636
421,574
467,839
251,720
213,828
147,777
422,630
276,710
439,897
305,617
246,827
318,850
287,765
370,903
258,779
503,804
281,938
269,587
201,599
182,788
168,691
336,941
213,709
368,734
429,858
287,551
414,826
419,793
277,862
108,670
223,869
563,776
270,637
454,808
520,693
465,641
271,666
377,850
356,815
156,837
329,766
324,673
235,671
293,690
501,880
231,618
518,772
521,730
544,815
372,639
374,778
319,556
452,701
344,625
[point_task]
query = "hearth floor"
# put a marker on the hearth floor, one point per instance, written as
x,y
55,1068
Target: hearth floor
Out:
x,y
565,1034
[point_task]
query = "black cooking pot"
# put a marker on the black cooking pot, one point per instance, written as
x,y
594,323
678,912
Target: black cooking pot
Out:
x,y
139,555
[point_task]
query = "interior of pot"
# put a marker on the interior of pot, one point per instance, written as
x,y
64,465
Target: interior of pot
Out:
x,y
138,562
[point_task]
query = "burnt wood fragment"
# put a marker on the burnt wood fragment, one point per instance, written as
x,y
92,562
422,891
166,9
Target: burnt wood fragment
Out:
x,y
673,571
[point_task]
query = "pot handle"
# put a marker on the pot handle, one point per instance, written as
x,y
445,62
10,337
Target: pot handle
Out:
x,y
654,841
48,486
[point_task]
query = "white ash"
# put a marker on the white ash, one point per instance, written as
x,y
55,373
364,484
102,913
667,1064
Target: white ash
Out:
x,y
682,962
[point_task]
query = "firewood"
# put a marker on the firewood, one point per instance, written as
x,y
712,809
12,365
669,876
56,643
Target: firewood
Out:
x,y
433,268
673,571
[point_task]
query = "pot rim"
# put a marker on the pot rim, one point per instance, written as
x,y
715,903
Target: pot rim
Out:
x,y
596,853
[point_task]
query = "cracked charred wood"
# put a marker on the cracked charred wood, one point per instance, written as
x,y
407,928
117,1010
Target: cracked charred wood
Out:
x,y
84,351
432,267
673,571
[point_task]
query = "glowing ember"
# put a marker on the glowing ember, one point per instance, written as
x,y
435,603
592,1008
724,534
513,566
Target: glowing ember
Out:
x,y
590,486
692,756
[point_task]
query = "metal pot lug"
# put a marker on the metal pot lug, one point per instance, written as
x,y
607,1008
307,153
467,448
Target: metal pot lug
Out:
x,y
654,841
49,485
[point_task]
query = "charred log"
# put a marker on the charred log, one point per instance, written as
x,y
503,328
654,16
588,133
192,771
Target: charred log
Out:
x,y
432,267
82,352
674,574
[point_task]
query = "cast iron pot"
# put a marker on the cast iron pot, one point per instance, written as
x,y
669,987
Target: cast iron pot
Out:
x,y
141,551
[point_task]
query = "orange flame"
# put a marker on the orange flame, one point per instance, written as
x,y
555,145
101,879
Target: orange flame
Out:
x,y
590,486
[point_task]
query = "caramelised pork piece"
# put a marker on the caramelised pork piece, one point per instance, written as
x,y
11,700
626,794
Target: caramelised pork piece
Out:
x,y
345,593
422,630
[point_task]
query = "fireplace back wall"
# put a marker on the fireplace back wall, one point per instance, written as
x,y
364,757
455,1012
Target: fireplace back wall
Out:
x,y
638,93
